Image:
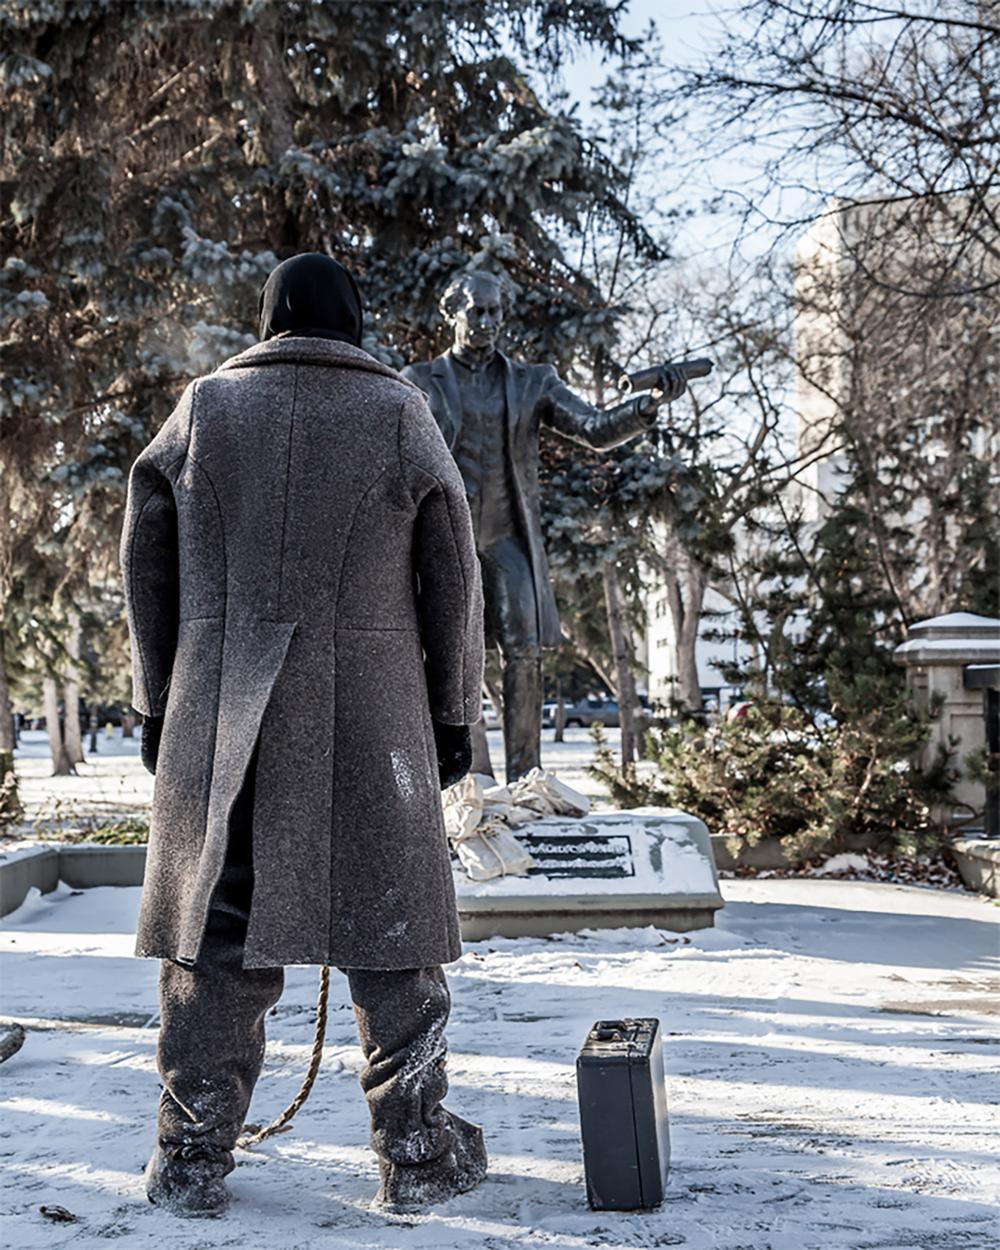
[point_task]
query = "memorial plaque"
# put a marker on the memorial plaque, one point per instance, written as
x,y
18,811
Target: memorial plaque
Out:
x,y
583,855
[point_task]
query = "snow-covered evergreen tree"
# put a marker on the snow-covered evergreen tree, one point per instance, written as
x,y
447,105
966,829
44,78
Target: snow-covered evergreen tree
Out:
x,y
160,156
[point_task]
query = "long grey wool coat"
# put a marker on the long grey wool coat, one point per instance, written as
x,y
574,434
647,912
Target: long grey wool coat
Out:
x,y
299,565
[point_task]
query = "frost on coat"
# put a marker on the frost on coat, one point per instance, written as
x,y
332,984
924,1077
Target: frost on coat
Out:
x,y
299,564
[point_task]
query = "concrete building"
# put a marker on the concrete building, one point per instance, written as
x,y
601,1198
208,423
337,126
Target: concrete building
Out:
x,y
861,334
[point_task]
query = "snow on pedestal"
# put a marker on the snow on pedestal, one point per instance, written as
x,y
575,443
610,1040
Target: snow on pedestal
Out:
x,y
608,870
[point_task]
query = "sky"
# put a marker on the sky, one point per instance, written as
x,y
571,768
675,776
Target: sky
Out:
x,y
710,242
688,31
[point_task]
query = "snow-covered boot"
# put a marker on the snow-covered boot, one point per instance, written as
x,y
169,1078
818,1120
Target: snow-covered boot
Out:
x,y
189,1179
412,1186
11,1039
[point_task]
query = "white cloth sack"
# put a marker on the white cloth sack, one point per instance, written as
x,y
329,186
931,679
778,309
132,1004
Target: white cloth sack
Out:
x,y
478,831
543,794
478,819
491,850
463,808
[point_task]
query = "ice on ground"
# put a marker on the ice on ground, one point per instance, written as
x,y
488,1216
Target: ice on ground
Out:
x,y
831,1069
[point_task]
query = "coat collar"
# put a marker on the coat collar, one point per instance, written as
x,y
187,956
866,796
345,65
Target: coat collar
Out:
x,y
310,351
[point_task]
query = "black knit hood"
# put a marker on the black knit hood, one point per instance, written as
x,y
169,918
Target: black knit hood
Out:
x,y
314,296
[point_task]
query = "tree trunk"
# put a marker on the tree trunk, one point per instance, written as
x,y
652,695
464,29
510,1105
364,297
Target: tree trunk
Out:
x,y
269,66
62,765
128,724
685,599
93,728
641,725
7,741
560,716
627,701
688,682
71,694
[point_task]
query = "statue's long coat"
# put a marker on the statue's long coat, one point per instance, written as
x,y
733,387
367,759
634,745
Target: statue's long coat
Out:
x,y
299,565
535,396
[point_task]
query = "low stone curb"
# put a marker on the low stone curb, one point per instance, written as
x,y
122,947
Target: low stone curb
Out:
x,y
978,864
81,866
85,865
768,853
36,866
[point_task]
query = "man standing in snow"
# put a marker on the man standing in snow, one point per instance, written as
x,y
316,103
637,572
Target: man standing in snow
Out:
x,y
306,616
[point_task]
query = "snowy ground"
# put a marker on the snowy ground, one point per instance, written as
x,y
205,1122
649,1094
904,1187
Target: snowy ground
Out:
x,y
831,1068
113,781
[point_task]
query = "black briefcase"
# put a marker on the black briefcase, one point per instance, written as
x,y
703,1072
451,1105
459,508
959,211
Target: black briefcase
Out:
x,y
623,1115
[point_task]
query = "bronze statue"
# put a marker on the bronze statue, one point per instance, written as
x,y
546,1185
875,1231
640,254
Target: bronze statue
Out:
x,y
490,409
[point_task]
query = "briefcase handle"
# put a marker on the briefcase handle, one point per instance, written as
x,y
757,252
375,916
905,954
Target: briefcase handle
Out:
x,y
612,1030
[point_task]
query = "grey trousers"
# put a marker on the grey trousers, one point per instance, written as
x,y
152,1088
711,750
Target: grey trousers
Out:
x,y
211,1044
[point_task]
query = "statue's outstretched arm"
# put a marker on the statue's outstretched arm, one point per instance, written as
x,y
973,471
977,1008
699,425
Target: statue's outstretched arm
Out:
x,y
570,415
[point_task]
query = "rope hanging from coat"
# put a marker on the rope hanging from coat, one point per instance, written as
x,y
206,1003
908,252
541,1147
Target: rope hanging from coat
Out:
x,y
315,1059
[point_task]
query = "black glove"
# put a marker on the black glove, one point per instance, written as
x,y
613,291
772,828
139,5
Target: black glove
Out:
x,y
453,744
152,728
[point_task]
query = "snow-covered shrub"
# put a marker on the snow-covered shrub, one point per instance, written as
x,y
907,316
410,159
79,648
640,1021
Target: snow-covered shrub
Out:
x,y
775,772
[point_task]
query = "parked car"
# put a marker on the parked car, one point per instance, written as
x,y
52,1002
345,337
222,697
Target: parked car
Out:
x,y
490,718
587,712
596,708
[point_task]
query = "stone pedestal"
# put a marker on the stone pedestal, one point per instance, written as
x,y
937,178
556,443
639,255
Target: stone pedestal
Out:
x,y
610,870
938,654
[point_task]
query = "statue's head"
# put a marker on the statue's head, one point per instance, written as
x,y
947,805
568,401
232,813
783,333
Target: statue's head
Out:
x,y
474,305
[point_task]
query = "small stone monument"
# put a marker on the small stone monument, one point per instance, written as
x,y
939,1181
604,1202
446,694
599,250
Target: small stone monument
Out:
x,y
606,870
957,656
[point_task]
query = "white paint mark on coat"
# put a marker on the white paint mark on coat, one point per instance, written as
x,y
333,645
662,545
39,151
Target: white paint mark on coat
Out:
x,y
403,774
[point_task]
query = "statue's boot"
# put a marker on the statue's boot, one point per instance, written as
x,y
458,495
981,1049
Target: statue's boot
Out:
x,y
481,762
522,710
411,1187
188,1180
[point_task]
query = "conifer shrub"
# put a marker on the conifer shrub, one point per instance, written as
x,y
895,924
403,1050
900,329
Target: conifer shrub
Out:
x,y
11,811
818,784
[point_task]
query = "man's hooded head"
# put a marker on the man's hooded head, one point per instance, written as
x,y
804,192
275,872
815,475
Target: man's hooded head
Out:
x,y
311,295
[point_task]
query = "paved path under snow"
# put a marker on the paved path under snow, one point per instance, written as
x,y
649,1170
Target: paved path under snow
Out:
x,y
831,1067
